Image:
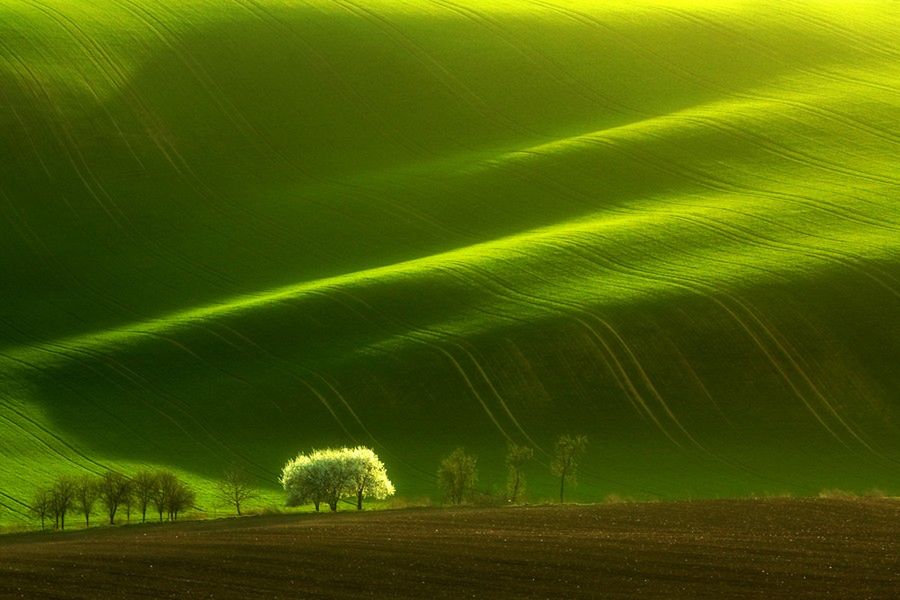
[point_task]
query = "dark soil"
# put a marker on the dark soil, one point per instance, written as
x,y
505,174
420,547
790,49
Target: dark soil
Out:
x,y
710,549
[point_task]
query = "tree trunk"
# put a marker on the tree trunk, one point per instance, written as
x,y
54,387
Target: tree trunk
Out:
x,y
359,495
62,521
237,506
87,520
515,494
144,514
42,522
332,504
316,502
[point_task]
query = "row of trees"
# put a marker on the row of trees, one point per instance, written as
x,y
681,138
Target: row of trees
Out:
x,y
113,492
458,472
329,475
321,476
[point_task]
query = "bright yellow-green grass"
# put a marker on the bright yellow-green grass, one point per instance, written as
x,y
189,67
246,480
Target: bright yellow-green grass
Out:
x,y
232,230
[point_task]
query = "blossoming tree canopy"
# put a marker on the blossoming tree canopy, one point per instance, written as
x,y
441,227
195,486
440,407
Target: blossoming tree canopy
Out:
x,y
333,473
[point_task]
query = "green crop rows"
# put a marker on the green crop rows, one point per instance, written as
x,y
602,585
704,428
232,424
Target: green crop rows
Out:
x,y
234,230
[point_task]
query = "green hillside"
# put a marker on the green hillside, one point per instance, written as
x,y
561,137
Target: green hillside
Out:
x,y
231,230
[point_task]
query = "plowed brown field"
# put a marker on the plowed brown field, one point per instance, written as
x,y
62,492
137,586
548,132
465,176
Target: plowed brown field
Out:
x,y
711,549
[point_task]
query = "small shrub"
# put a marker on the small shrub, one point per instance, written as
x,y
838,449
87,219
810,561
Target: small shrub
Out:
x,y
457,476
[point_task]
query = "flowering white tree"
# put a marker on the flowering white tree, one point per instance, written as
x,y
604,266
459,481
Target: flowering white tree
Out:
x,y
370,478
334,473
301,481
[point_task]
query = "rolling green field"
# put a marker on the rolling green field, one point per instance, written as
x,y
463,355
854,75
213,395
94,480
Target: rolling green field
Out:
x,y
231,230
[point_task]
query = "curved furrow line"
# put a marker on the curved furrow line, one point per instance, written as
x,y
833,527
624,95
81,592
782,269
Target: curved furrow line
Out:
x,y
69,145
23,127
450,81
747,235
798,156
286,368
423,335
50,434
63,135
648,384
819,110
745,38
184,318
250,133
511,292
16,422
66,353
686,364
690,76
383,449
786,354
855,37
706,180
80,286
773,148
731,187
439,336
500,399
474,392
704,290
795,361
20,508
346,89
656,161
611,353
635,396
550,67
213,91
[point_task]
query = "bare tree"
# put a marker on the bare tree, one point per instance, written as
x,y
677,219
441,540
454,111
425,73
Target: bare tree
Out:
x,y
171,495
165,483
62,499
457,475
235,489
128,501
114,487
42,505
144,485
516,457
565,462
180,498
86,494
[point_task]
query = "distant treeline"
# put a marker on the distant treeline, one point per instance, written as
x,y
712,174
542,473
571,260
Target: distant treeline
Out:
x,y
321,476
114,493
